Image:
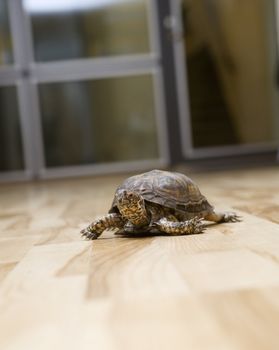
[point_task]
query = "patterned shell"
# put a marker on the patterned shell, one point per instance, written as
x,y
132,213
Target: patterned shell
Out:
x,y
172,190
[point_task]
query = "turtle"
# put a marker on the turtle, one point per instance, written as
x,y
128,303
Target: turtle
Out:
x,y
158,201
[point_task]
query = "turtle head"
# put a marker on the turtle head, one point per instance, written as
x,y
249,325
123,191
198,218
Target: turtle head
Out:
x,y
132,207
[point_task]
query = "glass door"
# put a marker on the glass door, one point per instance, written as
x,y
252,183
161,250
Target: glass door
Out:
x,y
14,144
226,64
95,86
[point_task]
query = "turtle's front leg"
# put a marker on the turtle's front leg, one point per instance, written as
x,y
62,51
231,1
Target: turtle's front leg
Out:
x,y
109,221
176,228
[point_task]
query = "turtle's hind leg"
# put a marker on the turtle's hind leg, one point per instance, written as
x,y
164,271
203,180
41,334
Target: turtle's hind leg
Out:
x,y
109,221
225,216
176,228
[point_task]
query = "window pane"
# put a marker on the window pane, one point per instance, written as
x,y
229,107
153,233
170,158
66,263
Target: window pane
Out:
x,y
6,56
11,157
88,28
98,121
231,60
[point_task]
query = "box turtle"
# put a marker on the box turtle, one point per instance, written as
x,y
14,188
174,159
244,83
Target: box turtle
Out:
x,y
157,202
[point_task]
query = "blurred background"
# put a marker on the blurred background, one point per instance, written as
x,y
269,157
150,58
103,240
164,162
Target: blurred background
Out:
x,y
98,86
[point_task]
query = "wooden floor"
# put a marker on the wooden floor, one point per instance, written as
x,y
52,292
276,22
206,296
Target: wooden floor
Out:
x,y
217,290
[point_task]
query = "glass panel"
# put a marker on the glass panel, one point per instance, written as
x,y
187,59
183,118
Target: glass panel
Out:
x,y
6,55
230,62
96,121
11,157
87,28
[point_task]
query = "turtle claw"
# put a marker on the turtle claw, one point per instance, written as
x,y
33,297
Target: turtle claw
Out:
x,y
196,226
231,217
88,235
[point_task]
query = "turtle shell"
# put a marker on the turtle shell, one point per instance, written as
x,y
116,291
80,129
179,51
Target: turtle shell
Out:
x,y
169,189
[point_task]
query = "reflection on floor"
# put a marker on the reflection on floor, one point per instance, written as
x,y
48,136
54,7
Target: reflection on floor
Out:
x,y
218,290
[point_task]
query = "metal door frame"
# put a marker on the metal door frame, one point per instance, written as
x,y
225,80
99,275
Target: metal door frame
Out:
x,y
28,74
188,149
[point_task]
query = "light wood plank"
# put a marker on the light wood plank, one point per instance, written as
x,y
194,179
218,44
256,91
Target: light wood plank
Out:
x,y
217,290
